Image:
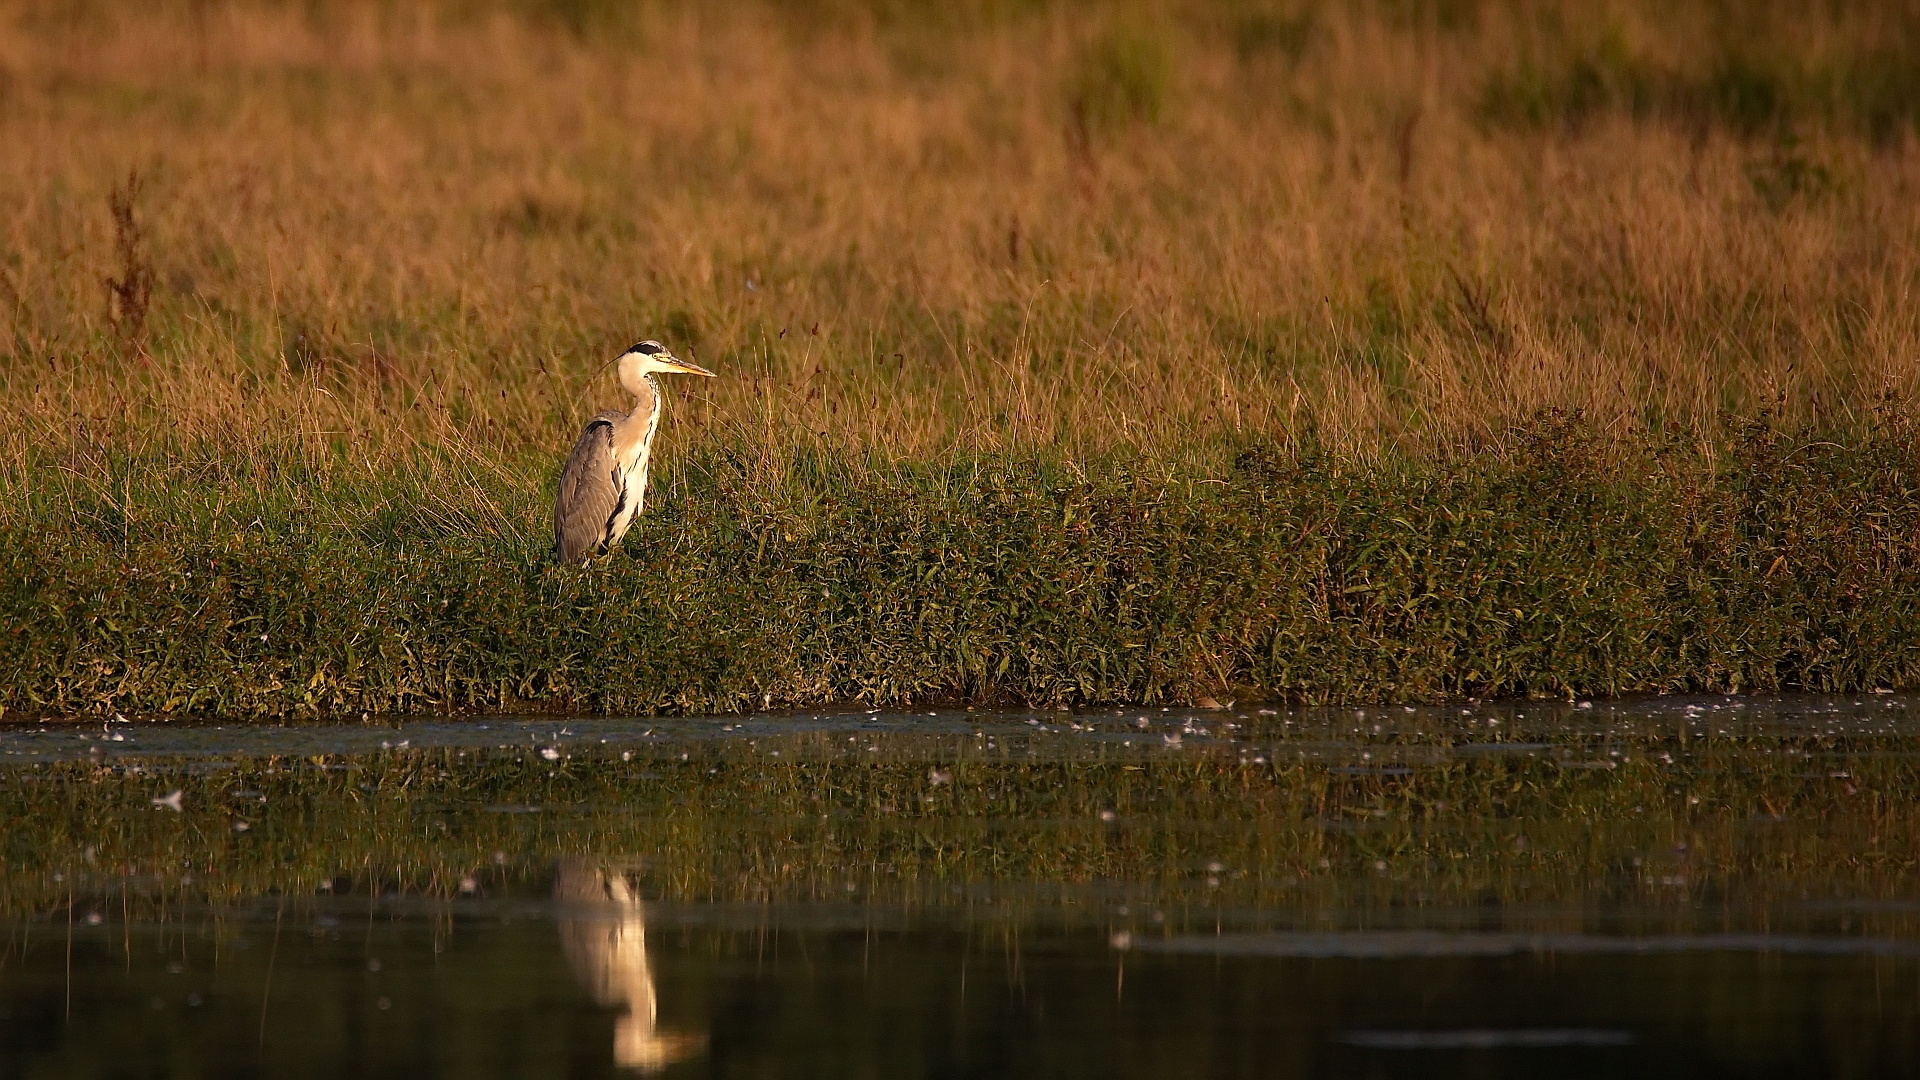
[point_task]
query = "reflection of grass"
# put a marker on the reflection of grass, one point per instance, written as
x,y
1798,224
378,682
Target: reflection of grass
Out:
x,y
1637,820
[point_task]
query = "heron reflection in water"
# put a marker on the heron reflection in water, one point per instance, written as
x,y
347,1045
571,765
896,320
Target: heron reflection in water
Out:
x,y
603,932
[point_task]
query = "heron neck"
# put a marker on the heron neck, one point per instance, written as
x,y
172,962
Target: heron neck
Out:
x,y
648,399
632,438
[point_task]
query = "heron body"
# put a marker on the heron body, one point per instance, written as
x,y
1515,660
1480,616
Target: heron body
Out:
x,y
604,483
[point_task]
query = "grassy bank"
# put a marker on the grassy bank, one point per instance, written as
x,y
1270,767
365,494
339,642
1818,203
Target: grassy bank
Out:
x,y
1070,353
1559,569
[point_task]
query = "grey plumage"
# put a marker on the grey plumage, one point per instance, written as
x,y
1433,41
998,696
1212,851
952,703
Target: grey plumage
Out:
x,y
590,491
603,485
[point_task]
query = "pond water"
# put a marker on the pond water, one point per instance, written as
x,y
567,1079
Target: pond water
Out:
x,y
1673,887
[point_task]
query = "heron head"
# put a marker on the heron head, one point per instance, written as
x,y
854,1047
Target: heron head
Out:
x,y
650,356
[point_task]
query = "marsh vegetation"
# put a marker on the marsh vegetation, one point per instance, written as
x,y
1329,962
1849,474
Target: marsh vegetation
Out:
x,y
1069,353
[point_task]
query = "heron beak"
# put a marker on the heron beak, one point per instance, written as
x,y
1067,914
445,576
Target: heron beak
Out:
x,y
673,363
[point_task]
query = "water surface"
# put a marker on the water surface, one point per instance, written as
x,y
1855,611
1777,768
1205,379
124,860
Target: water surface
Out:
x,y
1684,887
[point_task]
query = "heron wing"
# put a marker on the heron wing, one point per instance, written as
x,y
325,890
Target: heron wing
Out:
x,y
589,493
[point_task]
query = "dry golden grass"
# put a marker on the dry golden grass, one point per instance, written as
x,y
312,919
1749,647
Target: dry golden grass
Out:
x,y
372,233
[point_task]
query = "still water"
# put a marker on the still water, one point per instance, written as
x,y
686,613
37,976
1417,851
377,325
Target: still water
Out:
x,y
1713,886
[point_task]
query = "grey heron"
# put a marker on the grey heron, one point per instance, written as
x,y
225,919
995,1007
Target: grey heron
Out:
x,y
604,482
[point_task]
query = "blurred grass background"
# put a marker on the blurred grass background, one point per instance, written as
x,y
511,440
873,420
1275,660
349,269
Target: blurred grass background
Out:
x,y
342,278
359,231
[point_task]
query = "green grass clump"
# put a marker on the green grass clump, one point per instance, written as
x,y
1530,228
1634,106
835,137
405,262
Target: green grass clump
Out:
x,y
1560,567
1123,77
1747,78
